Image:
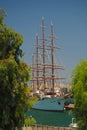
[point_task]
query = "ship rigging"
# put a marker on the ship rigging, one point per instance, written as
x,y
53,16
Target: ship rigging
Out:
x,y
45,71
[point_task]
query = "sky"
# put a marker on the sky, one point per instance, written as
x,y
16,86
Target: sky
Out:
x,y
69,18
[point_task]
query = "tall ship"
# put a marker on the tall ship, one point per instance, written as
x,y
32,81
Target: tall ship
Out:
x,y
47,81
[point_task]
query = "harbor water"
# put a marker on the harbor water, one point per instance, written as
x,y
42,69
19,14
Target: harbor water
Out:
x,y
62,119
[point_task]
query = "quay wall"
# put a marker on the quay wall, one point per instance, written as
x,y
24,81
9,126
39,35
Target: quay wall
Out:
x,y
43,127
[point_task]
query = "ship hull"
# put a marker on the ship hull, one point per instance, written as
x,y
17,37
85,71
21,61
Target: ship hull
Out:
x,y
55,104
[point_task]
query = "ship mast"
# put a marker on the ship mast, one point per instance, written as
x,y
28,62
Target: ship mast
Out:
x,y
37,62
53,65
52,54
33,84
35,67
43,47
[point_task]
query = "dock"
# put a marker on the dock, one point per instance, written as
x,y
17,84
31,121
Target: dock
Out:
x,y
46,127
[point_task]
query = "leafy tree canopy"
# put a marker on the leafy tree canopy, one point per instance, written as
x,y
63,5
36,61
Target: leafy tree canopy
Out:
x,y
10,42
79,89
14,75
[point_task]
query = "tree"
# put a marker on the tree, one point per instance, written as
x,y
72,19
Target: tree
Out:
x,y
14,75
10,42
79,89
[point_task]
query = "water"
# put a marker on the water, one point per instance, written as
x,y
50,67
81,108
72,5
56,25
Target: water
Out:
x,y
62,119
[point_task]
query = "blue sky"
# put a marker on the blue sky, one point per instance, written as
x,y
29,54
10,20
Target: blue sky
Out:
x,y
69,18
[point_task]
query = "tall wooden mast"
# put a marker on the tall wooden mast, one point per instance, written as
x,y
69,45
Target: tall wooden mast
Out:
x,y
43,47
37,62
52,54
33,83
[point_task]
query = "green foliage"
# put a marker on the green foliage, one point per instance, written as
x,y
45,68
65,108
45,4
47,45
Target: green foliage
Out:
x,y
13,88
33,100
79,89
14,75
30,121
10,42
2,15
